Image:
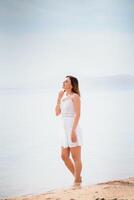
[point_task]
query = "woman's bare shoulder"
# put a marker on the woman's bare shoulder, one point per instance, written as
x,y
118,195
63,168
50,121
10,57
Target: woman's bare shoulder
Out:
x,y
75,96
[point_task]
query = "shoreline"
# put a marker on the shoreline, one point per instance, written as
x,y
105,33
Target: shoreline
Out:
x,y
120,189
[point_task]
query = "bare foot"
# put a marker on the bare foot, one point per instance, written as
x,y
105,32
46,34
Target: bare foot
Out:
x,y
76,185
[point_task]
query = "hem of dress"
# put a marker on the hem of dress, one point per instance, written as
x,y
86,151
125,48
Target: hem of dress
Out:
x,y
71,146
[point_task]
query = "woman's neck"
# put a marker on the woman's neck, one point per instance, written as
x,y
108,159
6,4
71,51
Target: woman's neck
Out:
x,y
68,93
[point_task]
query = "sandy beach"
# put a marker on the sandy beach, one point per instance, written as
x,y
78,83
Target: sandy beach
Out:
x,y
111,190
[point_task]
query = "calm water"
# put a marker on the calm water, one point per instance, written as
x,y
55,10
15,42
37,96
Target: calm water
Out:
x,y
30,160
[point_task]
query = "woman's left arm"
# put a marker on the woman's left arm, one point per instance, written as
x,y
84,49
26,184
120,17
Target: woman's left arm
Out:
x,y
77,107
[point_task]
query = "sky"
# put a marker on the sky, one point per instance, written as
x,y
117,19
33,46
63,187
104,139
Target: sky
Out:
x,y
42,41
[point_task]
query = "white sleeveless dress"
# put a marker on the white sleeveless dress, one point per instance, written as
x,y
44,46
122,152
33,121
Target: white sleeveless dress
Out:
x,y
67,115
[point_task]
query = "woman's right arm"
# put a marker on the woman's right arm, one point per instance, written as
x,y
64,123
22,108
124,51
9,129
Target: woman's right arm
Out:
x,y
57,107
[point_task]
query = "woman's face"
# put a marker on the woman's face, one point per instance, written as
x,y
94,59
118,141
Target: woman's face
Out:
x,y
67,83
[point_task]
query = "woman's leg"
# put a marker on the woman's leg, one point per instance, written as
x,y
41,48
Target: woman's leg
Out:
x,y
65,153
76,155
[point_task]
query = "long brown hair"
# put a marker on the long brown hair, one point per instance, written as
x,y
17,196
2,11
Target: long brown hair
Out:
x,y
75,84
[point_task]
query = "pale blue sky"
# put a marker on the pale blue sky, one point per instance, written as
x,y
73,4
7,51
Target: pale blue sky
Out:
x,y
42,40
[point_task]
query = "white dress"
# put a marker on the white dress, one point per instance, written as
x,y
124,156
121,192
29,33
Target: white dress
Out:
x,y
67,115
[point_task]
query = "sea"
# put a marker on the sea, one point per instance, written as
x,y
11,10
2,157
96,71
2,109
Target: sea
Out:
x,y
30,151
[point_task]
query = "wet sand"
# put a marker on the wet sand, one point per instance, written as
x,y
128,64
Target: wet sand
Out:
x,y
111,190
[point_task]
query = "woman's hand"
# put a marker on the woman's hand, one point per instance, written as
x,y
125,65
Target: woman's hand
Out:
x,y
61,93
73,136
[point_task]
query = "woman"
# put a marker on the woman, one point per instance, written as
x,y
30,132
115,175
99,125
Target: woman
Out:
x,y
68,105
